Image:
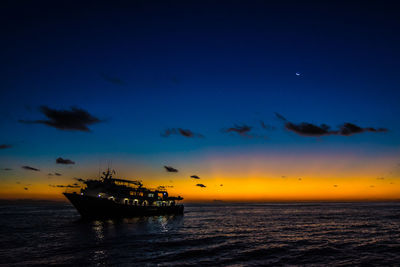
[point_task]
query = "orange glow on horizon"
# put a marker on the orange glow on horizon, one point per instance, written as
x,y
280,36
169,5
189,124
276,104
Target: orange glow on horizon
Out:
x,y
245,178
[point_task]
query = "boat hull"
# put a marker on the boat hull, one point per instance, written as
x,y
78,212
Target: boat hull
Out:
x,y
93,207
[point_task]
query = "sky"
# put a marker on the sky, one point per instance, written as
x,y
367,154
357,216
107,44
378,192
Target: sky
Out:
x,y
260,100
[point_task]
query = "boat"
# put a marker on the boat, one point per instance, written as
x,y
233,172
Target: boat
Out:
x,y
109,197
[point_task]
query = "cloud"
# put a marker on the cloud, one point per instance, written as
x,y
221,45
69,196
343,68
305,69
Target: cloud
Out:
x,y
195,177
279,116
312,130
6,169
267,126
308,129
25,188
183,132
79,179
201,185
5,146
113,80
380,178
242,130
221,185
57,174
29,168
348,129
75,119
64,161
170,169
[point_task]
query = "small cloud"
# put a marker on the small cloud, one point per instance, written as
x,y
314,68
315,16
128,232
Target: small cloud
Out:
x,y
75,119
183,132
348,129
170,169
113,80
300,179
57,174
6,169
221,185
372,186
64,161
50,174
18,182
283,176
380,178
279,116
5,146
200,185
29,168
79,179
25,188
195,177
267,126
308,129
242,130
335,185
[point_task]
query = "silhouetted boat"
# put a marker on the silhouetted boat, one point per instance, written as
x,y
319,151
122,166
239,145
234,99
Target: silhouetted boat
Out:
x,y
110,197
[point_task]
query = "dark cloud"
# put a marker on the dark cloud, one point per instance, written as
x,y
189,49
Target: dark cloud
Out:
x,y
29,168
79,179
6,169
380,178
195,177
300,179
348,129
279,116
5,146
221,185
57,174
201,185
170,169
309,129
242,130
267,126
60,160
179,131
26,188
50,174
75,119
113,80
335,185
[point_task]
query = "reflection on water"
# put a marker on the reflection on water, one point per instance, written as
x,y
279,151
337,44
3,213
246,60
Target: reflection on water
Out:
x,y
224,234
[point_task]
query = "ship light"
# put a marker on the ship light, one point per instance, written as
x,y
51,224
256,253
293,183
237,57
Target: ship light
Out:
x,y
81,194
99,195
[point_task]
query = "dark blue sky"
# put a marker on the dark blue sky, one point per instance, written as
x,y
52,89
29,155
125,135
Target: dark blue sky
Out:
x,y
145,66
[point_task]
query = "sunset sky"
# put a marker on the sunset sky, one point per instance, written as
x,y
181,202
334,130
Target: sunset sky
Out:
x,y
262,100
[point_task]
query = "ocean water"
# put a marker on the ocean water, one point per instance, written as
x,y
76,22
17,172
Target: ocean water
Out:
x,y
318,234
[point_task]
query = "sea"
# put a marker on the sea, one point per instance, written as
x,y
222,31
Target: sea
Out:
x,y
36,233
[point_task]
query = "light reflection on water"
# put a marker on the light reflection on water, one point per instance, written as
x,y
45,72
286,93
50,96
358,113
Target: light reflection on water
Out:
x,y
225,234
